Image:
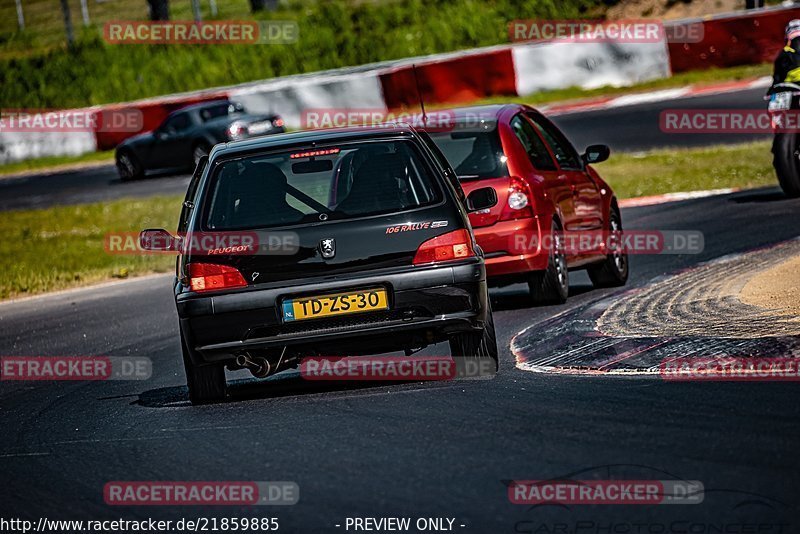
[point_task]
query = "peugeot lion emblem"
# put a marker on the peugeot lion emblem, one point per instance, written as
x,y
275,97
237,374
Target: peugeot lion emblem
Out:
x,y
328,247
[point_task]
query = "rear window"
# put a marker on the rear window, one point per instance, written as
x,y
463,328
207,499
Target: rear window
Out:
x,y
319,184
473,152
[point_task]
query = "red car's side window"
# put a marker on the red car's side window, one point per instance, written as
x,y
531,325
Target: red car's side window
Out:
x,y
534,147
566,155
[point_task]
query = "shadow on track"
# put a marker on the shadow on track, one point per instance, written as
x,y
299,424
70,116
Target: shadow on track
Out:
x,y
520,300
275,387
767,194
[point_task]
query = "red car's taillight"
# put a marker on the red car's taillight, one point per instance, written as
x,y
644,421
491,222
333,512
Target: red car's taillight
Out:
x,y
519,201
210,277
453,245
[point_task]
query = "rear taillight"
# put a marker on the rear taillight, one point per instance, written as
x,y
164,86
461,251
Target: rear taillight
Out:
x,y
277,123
453,245
237,130
211,277
519,201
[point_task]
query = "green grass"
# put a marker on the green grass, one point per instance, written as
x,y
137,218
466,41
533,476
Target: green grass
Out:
x,y
332,33
36,73
53,163
60,247
676,170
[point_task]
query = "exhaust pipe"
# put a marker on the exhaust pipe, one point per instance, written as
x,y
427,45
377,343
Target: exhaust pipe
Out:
x,y
259,367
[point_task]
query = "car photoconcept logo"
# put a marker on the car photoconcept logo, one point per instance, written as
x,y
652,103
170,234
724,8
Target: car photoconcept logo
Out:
x,y
328,248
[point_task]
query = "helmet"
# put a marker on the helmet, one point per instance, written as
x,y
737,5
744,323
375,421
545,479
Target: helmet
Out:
x,y
793,29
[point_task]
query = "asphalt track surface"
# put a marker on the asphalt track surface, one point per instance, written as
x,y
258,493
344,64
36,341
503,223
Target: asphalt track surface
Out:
x,y
629,128
412,450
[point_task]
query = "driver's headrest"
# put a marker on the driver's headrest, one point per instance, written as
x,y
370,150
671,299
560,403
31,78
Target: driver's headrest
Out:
x,y
257,176
381,165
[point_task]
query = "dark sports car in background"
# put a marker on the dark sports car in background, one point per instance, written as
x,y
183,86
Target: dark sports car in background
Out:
x,y
188,134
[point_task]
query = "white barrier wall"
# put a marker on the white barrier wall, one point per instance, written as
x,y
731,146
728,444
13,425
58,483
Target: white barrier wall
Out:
x,y
19,146
288,97
547,66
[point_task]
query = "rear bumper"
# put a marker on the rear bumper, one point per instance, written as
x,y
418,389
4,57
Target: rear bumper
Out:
x,y
428,302
512,247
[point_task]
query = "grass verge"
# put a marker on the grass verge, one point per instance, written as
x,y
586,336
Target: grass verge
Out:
x,y
56,163
694,169
60,247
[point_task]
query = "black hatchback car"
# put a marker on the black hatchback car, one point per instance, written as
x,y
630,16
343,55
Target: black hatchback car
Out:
x,y
332,242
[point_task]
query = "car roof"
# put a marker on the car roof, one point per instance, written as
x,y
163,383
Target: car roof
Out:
x,y
499,113
312,136
202,105
491,110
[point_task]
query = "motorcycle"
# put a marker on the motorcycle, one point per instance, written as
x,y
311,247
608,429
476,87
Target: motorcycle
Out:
x,y
784,98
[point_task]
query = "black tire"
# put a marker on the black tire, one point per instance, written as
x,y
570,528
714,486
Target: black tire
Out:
x,y
552,285
128,166
477,345
613,271
206,383
786,160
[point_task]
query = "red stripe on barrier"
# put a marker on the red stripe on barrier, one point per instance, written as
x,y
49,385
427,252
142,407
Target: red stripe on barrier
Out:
x,y
744,39
452,80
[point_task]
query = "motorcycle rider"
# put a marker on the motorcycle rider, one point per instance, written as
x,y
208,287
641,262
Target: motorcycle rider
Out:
x,y
786,143
787,64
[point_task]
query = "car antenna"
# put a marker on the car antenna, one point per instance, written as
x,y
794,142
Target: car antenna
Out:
x,y
419,94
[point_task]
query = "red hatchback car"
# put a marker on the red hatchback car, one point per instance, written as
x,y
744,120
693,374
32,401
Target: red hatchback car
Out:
x,y
547,195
